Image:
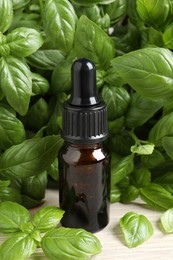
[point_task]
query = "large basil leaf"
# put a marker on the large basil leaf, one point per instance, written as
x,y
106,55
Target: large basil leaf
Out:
x,y
45,59
10,194
6,14
40,85
99,47
31,157
116,10
156,13
20,246
156,197
129,194
141,177
24,41
136,228
135,115
35,186
47,218
59,20
167,221
18,4
12,130
123,168
163,128
16,83
117,100
166,181
76,244
167,143
148,71
12,215
153,160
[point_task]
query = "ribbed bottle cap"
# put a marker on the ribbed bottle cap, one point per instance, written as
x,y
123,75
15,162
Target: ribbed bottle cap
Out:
x,y
84,115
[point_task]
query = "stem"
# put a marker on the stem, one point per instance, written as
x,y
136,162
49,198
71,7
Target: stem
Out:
x,y
134,137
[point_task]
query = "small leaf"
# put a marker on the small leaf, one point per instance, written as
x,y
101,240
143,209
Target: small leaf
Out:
x,y
167,221
156,197
123,168
12,215
47,218
66,243
24,41
99,47
115,194
136,228
6,15
16,83
143,149
18,247
18,4
40,85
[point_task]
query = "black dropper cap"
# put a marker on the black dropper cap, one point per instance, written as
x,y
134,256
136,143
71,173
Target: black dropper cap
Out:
x,y
84,117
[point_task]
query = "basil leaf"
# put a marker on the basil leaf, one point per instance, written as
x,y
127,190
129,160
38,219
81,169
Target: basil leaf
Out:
x,y
76,244
115,194
18,4
153,160
12,216
99,47
167,36
40,85
112,77
123,168
10,194
129,194
24,41
136,228
156,197
156,13
143,149
167,143
31,157
53,170
16,83
18,247
135,115
47,218
116,10
166,181
4,184
116,125
45,59
149,72
12,130
163,128
167,221
59,19
117,100
29,202
141,177
86,3
35,186
6,15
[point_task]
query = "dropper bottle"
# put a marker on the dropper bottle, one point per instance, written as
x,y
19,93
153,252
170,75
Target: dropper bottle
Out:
x,y
84,164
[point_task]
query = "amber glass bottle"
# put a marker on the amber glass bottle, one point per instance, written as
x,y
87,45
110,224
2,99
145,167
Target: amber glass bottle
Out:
x,y
83,161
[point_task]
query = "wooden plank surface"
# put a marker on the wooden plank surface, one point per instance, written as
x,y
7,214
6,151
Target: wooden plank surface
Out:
x,y
159,246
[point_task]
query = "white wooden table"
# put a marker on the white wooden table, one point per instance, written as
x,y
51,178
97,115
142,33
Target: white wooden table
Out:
x,y
158,247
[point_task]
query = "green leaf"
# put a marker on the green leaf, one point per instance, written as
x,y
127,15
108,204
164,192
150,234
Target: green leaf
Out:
x,y
156,197
153,160
18,247
53,170
10,194
141,177
12,130
116,125
156,13
12,215
167,221
135,115
112,77
18,4
45,59
129,194
99,47
117,100
162,128
167,143
47,218
16,83
166,181
148,71
167,36
40,85
115,194
123,168
116,10
24,41
59,19
30,203
66,243
136,228
6,15
4,184
31,157
143,149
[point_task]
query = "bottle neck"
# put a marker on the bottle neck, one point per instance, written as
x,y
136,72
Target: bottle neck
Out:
x,y
84,145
